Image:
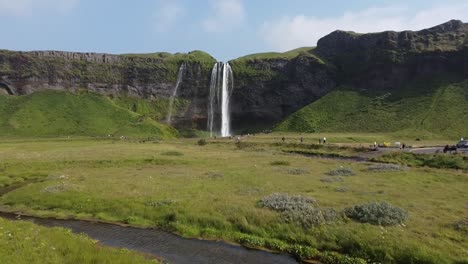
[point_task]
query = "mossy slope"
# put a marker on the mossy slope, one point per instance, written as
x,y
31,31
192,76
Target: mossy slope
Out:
x,y
53,113
440,112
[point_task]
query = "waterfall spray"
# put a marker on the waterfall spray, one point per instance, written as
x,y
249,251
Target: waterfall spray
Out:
x,y
180,76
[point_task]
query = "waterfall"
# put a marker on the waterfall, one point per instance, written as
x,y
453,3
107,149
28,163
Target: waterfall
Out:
x,y
221,86
180,76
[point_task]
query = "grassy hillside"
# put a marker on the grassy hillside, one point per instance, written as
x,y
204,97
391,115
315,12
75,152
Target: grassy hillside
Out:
x,y
424,110
278,55
53,113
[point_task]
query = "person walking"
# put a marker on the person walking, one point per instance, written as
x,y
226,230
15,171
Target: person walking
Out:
x,y
324,140
283,139
302,140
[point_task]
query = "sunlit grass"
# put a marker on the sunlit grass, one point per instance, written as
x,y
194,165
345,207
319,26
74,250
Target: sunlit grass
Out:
x,y
214,191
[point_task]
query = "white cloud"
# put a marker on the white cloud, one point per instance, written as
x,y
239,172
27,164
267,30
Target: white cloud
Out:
x,y
228,15
292,32
167,15
29,7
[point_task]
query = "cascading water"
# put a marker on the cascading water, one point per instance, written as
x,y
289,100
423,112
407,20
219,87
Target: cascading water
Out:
x,y
180,76
221,86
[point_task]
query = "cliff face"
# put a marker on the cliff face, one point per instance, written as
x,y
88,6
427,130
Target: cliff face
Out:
x,y
268,87
145,76
267,90
383,61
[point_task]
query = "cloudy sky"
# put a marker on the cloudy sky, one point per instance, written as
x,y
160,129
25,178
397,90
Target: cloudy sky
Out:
x,y
225,28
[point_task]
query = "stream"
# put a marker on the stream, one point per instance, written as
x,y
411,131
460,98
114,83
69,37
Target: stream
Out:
x,y
166,246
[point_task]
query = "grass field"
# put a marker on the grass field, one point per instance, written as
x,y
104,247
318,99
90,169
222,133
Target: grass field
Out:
x,y
213,192
23,242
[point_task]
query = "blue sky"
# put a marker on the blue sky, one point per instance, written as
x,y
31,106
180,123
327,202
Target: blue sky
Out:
x,y
225,28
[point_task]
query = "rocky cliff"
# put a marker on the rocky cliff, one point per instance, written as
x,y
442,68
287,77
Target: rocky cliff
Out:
x,y
386,60
268,87
147,76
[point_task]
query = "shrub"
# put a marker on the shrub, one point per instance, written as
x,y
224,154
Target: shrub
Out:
x,y
461,225
282,202
304,252
335,258
245,145
172,153
160,203
341,171
341,189
299,209
251,241
433,161
377,213
382,167
307,216
214,175
297,171
332,179
202,142
58,188
330,214
276,244
280,163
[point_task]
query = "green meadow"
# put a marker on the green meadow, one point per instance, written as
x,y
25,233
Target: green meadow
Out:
x,y
25,243
221,190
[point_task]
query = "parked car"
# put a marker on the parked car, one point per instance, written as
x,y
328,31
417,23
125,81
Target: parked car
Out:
x,y
463,144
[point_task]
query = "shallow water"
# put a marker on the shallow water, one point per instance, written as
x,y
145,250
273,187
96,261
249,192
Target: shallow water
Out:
x,y
171,248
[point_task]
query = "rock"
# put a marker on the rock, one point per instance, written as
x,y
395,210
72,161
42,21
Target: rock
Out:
x,y
267,89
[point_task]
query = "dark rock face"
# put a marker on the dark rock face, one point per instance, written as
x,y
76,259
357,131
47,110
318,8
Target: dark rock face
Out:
x,y
272,89
266,89
383,61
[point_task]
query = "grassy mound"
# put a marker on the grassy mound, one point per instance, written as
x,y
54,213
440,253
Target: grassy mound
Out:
x,y
429,110
52,113
278,55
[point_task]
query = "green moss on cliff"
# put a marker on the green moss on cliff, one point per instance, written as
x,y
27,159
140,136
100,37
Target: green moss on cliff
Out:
x,y
53,113
154,109
120,69
441,111
278,55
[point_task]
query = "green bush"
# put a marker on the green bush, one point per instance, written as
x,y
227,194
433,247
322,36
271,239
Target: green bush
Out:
x,y
299,209
283,202
382,167
341,171
251,241
461,225
306,216
172,153
245,145
335,258
280,163
297,171
419,160
377,213
304,252
202,142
